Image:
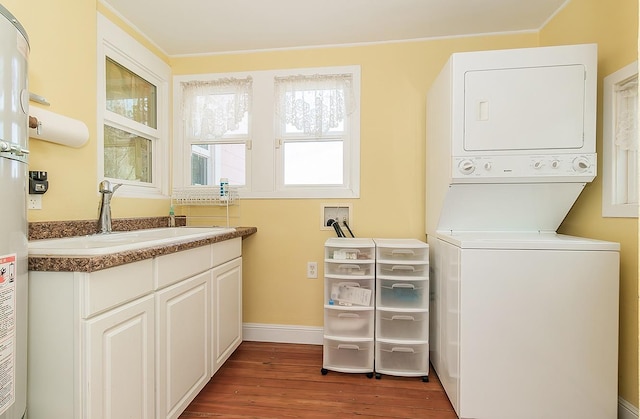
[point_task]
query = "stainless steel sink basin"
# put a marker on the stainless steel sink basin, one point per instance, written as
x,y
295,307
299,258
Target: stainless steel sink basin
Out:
x,y
102,244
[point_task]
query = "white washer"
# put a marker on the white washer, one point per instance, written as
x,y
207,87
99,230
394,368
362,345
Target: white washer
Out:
x,y
525,325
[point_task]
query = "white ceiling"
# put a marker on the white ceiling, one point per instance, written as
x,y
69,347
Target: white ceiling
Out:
x,y
184,27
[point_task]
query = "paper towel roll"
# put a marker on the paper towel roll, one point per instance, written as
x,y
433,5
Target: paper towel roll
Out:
x,y
58,128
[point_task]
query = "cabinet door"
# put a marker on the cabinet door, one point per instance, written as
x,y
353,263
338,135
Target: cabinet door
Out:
x,y
120,362
227,311
183,343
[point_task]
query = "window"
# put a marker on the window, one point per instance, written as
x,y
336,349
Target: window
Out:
x,y
620,135
272,134
216,129
133,111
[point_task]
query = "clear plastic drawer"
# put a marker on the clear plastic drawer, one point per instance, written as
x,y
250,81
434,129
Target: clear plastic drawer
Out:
x,y
402,358
402,293
402,324
348,355
391,251
349,249
352,322
362,268
351,292
403,270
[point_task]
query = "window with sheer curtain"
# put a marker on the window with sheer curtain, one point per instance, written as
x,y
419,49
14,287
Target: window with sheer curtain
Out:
x,y
216,128
312,115
272,134
620,134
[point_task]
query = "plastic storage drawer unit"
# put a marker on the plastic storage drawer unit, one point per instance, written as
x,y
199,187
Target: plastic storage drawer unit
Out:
x,y
349,313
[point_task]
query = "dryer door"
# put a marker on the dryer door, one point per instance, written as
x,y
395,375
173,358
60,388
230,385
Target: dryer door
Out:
x,y
528,108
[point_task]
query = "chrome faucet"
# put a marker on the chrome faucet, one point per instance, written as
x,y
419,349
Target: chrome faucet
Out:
x,y
104,218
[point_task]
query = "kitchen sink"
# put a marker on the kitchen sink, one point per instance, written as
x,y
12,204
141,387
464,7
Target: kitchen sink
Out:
x,y
102,244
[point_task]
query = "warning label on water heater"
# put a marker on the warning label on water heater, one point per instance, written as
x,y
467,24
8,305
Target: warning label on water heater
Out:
x,y
8,273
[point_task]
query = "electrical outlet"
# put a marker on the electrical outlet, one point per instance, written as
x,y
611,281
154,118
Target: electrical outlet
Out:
x,y
34,202
312,270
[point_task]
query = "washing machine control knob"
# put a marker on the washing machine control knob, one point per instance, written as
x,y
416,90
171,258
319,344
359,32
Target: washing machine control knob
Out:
x,y
466,167
555,164
538,164
581,164
487,166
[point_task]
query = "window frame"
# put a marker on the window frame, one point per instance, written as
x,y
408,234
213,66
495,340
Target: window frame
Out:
x,y
610,173
116,44
264,154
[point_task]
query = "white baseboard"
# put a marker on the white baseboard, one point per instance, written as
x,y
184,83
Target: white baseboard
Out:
x,y
626,410
258,332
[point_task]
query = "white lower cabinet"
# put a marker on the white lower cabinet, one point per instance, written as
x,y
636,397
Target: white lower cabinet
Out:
x,y
183,343
120,362
136,341
226,322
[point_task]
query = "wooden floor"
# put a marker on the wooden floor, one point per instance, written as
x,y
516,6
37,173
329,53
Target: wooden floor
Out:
x,y
275,380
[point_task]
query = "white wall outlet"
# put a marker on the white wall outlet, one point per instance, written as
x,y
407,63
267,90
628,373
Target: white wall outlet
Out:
x,y
34,201
336,212
312,270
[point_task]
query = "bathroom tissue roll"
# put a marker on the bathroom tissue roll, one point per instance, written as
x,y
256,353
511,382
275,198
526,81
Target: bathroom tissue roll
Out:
x,y
58,128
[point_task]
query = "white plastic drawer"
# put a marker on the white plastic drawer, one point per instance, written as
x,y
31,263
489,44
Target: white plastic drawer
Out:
x,y
348,268
402,324
402,269
349,249
392,253
348,355
402,293
351,322
402,358
340,291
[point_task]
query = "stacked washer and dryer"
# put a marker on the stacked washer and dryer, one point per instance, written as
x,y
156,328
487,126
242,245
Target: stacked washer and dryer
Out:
x,y
524,321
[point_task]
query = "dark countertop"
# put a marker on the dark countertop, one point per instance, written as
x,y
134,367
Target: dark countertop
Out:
x,y
96,263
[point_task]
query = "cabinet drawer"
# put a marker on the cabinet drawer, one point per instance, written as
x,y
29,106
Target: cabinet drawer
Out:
x,y
353,322
402,269
348,291
402,324
402,358
114,286
402,293
227,250
175,267
348,355
350,268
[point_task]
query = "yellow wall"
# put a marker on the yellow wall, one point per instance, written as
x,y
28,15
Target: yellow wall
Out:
x,y
62,68
614,27
395,79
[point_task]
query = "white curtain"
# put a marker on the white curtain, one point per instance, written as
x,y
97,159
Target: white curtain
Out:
x,y
626,134
314,104
213,108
